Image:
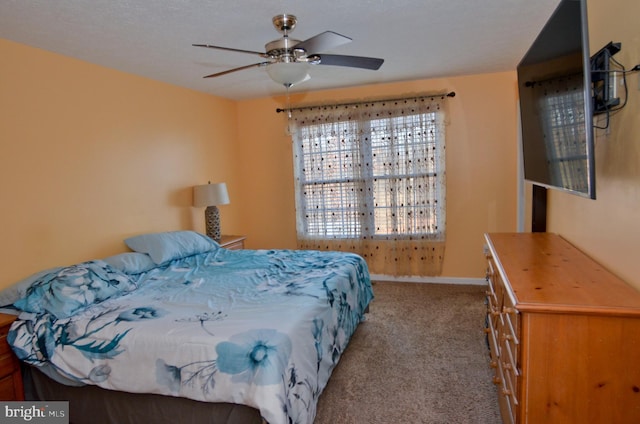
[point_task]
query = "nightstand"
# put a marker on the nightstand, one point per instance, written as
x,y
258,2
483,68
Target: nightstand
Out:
x,y
10,376
232,242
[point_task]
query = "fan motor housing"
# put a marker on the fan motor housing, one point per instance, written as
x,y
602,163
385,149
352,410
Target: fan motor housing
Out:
x,y
281,46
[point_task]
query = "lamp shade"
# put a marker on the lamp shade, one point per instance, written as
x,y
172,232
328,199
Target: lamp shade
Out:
x,y
210,195
288,73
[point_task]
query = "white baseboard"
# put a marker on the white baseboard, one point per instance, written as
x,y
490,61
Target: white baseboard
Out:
x,y
429,280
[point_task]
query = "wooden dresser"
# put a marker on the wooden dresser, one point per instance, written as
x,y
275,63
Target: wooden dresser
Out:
x,y
10,377
564,333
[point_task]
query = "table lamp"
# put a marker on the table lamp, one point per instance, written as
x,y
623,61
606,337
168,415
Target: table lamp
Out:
x,y
211,196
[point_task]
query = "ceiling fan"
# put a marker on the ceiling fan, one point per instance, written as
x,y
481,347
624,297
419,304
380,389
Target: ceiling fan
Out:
x,y
288,59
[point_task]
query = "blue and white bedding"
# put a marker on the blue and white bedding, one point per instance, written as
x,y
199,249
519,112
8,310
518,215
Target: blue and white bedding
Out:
x,y
263,328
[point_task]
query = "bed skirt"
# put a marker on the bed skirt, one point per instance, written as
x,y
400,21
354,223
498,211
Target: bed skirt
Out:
x,y
95,405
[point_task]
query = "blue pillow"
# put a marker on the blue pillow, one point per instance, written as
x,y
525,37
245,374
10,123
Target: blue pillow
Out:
x,y
172,245
11,294
131,262
71,289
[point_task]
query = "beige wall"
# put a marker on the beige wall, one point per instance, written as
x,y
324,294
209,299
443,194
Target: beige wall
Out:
x,y
89,156
481,162
608,228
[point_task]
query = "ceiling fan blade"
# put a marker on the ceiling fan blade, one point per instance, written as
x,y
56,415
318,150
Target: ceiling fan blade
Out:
x,y
323,41
208,46
253,65
351,61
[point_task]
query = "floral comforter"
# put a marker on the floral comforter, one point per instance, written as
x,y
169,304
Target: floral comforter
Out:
x,y
255,327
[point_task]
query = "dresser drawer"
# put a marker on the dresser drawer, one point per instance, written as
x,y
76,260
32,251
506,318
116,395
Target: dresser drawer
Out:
x,y
491,321
492,338
510,379
510,335
507,406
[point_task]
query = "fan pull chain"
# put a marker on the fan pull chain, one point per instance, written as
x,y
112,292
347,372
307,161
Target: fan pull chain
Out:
x,y
288,108
288,101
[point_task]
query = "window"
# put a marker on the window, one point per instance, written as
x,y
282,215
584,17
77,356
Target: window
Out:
x,y
371,171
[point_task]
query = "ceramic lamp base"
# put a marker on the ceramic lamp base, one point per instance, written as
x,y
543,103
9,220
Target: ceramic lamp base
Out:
x,y
212,221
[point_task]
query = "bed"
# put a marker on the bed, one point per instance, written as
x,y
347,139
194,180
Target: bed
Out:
x,y
182,326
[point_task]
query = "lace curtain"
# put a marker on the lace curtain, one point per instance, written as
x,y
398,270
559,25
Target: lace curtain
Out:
x,y
370,179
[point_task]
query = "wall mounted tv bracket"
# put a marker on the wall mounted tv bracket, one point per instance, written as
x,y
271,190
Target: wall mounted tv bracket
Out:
x,y
604,80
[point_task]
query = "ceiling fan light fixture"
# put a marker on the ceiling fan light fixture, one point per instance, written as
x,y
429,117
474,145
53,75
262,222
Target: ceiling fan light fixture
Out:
x,y
289,60
288,73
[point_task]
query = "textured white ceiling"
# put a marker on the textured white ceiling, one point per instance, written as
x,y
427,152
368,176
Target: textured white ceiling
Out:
x,y
417,38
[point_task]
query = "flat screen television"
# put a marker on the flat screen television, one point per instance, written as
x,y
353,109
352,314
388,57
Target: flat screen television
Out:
x,y
556,109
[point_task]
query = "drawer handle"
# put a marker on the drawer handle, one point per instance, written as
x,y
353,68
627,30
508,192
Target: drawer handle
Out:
x,y
497,381
493,364
508,310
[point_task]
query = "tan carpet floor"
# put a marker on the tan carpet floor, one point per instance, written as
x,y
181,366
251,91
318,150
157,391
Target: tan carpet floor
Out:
x,y
420,356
